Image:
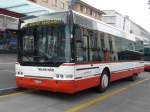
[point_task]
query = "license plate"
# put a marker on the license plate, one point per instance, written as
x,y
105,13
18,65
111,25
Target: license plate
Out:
x,y
38,81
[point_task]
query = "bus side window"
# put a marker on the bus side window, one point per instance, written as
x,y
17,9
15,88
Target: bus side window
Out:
x,y
101,44
81,45
93,47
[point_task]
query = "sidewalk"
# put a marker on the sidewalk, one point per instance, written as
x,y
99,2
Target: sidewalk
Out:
x,y
7,71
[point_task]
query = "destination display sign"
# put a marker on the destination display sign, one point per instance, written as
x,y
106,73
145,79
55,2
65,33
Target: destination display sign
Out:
x,y
45,22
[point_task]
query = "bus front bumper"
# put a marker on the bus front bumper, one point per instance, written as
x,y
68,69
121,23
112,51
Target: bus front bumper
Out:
x,y
64,86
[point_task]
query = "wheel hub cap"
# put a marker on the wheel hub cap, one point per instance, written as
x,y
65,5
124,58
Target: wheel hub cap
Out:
x,y
104,81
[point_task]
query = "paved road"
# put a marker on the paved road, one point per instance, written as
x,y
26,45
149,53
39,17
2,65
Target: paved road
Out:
x,y
122,96
7,70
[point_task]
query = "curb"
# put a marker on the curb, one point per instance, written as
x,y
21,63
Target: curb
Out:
x,y
8,90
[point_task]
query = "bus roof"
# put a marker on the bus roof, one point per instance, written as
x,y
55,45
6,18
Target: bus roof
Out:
x,y
87,22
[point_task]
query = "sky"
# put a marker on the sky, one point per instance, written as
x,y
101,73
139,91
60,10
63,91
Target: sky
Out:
x,y
137,10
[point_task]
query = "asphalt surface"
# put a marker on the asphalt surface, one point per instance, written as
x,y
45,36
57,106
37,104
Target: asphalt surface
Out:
x,y
7,71
122,96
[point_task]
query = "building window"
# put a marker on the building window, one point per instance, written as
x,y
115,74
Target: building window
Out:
x,y
81,8
99,15
46,1
62,5
91,12
94,14
55,2
85,9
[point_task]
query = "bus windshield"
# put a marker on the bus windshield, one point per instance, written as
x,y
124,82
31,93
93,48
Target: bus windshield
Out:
x,y
45,43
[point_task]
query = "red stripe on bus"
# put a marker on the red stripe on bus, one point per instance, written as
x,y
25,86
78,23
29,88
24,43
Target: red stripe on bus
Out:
x,y
68,64
147,67
126,73
88,63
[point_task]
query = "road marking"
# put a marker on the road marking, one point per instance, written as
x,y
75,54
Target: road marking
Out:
x,y
15,94
5,70
104,97
7,63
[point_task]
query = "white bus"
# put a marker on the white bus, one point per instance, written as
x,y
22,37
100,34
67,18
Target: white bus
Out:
x,y
68,52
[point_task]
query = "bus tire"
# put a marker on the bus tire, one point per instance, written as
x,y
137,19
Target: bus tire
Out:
x,y
133,77
104,82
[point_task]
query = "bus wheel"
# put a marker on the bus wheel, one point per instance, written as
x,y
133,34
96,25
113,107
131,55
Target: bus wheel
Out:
x,y
133,77
104,82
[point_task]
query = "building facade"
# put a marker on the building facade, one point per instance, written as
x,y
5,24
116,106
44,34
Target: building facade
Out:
x,y
87,9
57,5
122,22
77,5
8,30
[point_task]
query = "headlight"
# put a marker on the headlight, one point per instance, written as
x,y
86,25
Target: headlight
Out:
x,y
57,75
19,73
61,76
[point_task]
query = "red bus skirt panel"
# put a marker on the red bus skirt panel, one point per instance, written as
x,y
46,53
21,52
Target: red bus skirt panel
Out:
x,y
64,86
